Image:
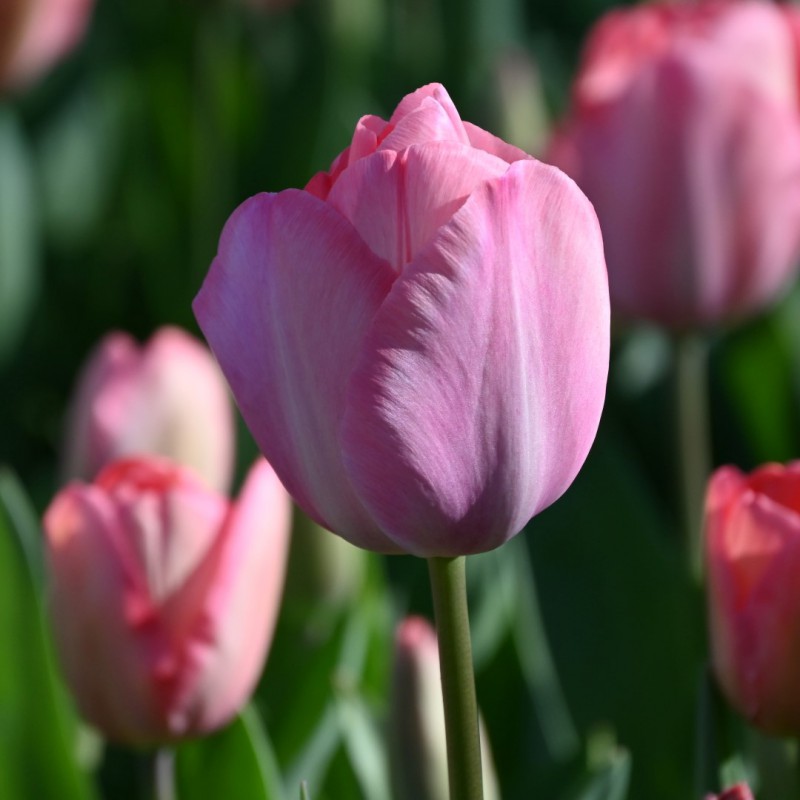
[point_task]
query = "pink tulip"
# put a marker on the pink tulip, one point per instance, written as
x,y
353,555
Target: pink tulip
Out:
x,y
164,595
419,340
685,134
34,34
739,792
417,741
753,552
166,398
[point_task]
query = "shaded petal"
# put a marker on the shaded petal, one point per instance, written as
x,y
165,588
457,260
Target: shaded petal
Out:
x,y
490,143
397,201
285,308
480,386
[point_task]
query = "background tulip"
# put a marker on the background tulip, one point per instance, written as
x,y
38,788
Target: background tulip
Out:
x,y
753,554
167,398
739,792
418,341
417,749
685,135
36,33
163,595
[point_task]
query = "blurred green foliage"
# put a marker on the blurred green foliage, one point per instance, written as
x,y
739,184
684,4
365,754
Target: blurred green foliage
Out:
x,y
117,173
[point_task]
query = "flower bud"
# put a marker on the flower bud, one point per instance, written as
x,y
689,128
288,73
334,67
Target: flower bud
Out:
x,y
752,530
417,740
163,595
739,792
36,33
166,398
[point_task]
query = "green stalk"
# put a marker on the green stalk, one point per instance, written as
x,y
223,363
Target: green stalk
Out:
x,y
449,587
158,775
691,368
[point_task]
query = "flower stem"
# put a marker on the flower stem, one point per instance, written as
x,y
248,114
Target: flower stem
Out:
x,y
158,779
691,367
448,583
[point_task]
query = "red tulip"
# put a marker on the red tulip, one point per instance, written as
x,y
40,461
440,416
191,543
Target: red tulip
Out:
x,y
685,135
753,552
36,33
167,398
163,595
419,340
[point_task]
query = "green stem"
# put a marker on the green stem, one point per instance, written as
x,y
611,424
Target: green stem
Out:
x,y
691,366
448,583
158,778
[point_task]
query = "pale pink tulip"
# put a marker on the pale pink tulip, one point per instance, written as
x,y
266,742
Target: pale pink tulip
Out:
x,y
753,553
164,595
34,34
166,398
417,740
685,135
419,340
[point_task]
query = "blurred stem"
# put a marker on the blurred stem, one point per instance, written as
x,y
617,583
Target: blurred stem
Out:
x,y
449,587
158,781
691,367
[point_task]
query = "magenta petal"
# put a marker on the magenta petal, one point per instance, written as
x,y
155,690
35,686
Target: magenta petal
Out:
x,y
397,201
481,383
285,308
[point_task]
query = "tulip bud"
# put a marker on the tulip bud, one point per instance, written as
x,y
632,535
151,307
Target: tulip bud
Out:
x,y
166,398
418,746
163,595
36,33
752,530
685,135
739,792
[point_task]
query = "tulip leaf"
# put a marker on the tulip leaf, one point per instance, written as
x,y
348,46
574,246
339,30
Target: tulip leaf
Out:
x,y
37,728
608,781
235,762
361,741
19,233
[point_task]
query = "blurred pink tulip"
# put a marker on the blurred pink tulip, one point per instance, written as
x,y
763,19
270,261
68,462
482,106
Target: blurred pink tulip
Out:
x,y
166,398
34,34
753,553
419,340
739,792
417,740
685,134
164,595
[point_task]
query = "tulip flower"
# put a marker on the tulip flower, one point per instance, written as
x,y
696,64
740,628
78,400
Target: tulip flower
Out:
x,y
34,34
685,135
418,340
418,756
163,595
166,398
752,530
739,792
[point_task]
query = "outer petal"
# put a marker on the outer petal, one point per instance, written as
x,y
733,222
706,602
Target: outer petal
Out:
x,y
490,143
285,308
396,202
479,390
93,594
233,633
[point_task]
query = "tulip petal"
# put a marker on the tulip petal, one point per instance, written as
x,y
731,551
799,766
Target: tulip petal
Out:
x,y
285,308
490,143
242,598
397,201
480,386
86,576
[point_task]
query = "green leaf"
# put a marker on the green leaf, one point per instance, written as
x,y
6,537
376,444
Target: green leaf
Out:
x,y
235,762
37,727
19,233
609,781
